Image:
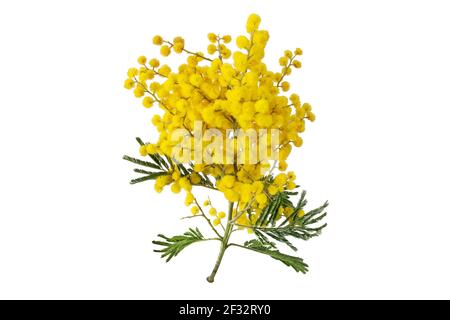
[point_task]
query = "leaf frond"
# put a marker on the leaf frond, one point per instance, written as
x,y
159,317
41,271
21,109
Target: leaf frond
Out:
x,y
291,261
174,245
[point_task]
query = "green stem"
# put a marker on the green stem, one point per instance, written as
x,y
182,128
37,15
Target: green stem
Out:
x,y
206,218
223,245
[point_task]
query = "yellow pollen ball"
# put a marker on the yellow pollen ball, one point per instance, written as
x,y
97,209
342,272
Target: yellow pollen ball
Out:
x,y
262,106
282,166
143,151
165,51
231,195
283,61
285,86
242,42
290,185
195,178
228,181
147,102
128,84
142,60
158,40
261,198
178,47
154,63
281,179
175,187
195,210
212,48
297,64
132,72
273,190
226,39
189,199
253,22
212,37
151,149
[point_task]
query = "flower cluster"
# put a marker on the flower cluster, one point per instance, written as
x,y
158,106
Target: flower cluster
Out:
x,y
224,90
218,110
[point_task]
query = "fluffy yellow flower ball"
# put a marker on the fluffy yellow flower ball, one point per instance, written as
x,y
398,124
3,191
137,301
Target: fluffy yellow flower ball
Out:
x,y
253,22
148,102
189,199
195,210
212,37
165,51
142,60
212,48
157,40
226,39
242,42
154,63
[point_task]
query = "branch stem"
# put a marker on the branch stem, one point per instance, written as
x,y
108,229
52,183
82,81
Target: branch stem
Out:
x,y
224,244
207,220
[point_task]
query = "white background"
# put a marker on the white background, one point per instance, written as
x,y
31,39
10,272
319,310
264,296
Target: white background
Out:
x,y
377,75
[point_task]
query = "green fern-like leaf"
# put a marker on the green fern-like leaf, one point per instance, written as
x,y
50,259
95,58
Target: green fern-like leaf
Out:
x,y
291,261
150,176
297,226
174,245
141,162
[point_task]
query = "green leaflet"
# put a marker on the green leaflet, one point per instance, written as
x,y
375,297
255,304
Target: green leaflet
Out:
x,y
174,245
141,162
295,226
142,171
150,176
291,261
269,214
